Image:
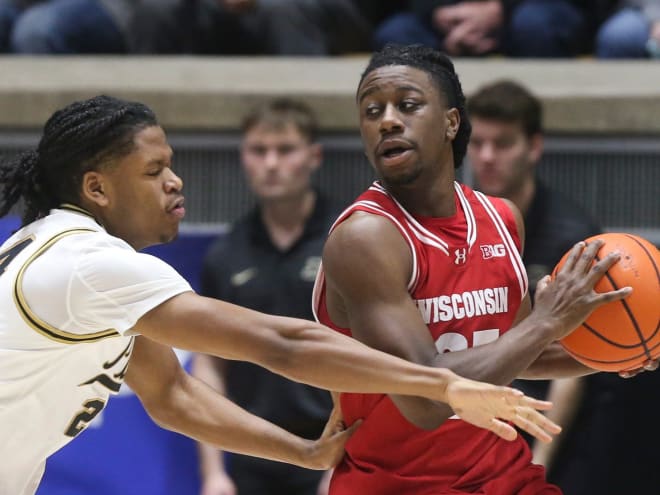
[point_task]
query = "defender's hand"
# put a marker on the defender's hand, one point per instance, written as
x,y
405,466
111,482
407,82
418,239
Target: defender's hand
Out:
x,y
489,406
328,450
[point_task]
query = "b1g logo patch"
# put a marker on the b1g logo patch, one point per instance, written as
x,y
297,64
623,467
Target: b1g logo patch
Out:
x,y
492,251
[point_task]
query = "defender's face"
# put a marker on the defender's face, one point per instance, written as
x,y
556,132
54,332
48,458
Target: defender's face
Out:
x,y
144,200
501,156
405,124
279,163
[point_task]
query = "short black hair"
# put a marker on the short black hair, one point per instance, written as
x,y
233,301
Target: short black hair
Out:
x,y
78,138
441,69
508,101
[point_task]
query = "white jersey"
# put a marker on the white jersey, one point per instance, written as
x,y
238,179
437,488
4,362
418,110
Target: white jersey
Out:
x,y
69,295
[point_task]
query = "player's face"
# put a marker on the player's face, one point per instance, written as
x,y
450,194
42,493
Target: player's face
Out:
x,y
279,162
502,156
405,124
144,200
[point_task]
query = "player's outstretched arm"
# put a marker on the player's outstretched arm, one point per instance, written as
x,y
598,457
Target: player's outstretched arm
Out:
x,y
182,403
311,353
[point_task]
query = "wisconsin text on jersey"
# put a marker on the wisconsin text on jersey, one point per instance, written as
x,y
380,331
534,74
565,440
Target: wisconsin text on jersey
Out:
x,y
478,302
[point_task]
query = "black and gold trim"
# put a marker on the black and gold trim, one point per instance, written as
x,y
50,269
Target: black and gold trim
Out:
x,y
76,209
34,321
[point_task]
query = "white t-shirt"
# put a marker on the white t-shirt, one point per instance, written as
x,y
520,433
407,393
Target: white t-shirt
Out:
x,y
69,295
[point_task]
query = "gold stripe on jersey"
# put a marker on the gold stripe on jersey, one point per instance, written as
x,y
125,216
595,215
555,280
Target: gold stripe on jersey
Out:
x,y
38,324
76,209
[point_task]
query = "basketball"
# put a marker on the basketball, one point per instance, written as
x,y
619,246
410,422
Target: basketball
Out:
x,y
621,335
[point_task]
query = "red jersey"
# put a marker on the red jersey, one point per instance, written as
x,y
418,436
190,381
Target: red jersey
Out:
x,y
468,281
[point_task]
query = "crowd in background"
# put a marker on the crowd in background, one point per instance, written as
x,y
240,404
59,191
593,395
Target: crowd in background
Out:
x,y
515,28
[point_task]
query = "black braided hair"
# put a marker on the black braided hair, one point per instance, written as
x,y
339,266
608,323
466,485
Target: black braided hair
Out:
x,y
441,69
78,138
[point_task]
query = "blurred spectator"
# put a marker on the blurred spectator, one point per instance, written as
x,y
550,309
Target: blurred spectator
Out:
x,y
504,151
268,262
519,28
9,11
633,31
64,26
271,27
610,437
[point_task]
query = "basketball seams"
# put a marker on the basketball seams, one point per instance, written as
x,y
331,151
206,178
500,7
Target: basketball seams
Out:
x,y
613,363
649,255
631,316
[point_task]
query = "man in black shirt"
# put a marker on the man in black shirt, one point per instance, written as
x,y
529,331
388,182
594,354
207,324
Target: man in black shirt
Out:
x,y
504,151
268,262
610,432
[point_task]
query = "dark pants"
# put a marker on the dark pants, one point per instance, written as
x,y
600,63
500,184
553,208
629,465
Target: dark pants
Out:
x,y
254,476
537,28
66,27
274,27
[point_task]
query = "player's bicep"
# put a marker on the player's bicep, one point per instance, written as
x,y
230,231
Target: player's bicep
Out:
x,y
369,264
152,371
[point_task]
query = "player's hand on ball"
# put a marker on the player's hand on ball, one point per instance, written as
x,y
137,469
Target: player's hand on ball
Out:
x,y
328,450
570,297
650,365
489,406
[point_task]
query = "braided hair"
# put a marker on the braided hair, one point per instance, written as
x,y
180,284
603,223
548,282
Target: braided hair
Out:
x,y
76,139
441,69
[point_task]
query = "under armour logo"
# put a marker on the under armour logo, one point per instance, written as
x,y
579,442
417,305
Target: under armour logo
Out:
x,y
461,256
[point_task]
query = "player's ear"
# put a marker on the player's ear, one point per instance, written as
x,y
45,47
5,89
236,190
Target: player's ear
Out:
x,y
94,188
453,123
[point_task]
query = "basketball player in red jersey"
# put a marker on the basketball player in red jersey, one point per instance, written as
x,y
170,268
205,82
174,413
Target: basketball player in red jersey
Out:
x,y
427,269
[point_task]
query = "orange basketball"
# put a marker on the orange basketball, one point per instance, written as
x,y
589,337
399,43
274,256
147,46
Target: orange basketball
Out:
x,y
621,335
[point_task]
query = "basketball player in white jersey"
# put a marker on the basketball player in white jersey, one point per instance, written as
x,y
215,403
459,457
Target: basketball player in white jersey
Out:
x,y
77,302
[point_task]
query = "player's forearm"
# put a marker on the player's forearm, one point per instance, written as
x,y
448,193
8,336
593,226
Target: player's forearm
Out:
x,y
298,349
555,362
503,360
316,355
498,363
194,409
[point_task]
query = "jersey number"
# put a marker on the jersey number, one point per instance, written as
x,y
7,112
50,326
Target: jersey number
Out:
x,y
79,423
451,341
12,252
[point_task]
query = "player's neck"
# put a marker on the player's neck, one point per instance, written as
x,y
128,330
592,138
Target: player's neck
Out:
x,y
430,197
285,219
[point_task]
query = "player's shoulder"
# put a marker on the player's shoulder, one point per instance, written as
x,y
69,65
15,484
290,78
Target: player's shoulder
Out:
x,y
363,227
364,236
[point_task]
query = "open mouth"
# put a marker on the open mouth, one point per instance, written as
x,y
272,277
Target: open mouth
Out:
x,y
395,156
394,152
177,208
